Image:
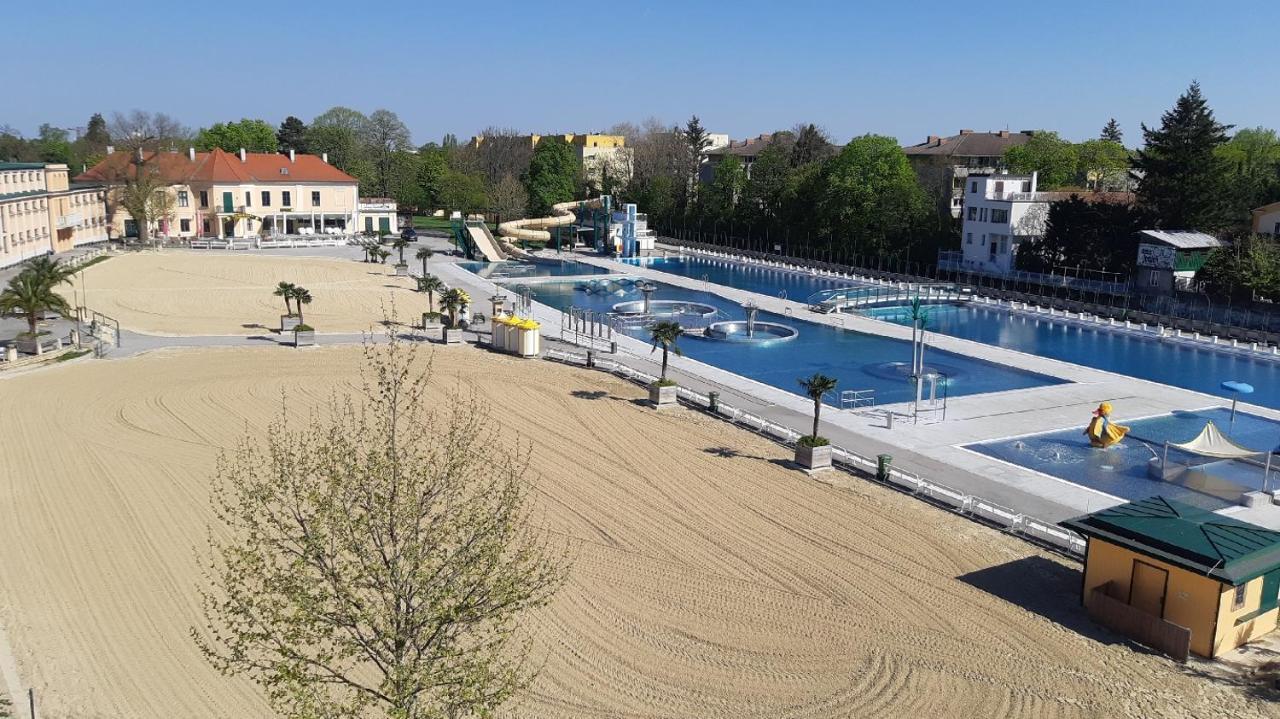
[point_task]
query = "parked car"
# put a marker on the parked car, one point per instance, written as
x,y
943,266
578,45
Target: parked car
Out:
x,y
408,233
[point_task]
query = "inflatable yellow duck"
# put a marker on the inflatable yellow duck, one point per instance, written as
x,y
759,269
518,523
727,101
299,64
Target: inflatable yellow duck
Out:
x,y
1101,432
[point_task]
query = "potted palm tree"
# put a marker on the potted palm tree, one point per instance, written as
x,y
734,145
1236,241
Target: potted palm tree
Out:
x,y
304,335
289,319
424,254
431,284
402,267
663,393
813,452
454,301
31,293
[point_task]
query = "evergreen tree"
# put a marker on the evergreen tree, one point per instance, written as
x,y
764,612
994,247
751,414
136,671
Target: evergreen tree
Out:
x,y
1183,176
96,138
292,135
1111,132
697,140
811,145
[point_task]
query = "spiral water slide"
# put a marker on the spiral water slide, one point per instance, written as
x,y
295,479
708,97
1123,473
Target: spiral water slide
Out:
x,y
535,229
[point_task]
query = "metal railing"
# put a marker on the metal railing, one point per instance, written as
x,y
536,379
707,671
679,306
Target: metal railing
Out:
x,y
1022,525
857,398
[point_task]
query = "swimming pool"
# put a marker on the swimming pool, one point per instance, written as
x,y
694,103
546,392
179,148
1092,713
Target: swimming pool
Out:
x,y
1121,470
1193,368
858,361
511,269
745,276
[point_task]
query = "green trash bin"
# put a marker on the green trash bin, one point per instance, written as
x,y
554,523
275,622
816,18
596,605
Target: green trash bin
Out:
x,y
882,466
713,398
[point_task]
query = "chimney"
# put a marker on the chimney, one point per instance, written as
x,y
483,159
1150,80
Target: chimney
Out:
x,y
1004,133
325,156
966,132
292,157
191,154
933,140
1034,180
242,157
111,149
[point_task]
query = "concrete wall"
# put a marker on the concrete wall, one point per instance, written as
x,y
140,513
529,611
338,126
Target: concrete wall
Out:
x,y
1230,635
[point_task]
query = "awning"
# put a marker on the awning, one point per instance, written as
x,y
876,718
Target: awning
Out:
x,y
1212,443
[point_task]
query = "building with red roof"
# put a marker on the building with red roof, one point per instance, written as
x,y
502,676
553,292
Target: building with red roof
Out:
x,y
238,195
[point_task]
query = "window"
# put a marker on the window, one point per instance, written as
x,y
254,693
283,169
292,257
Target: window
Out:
x,y
999,215
1237,602
999,187
973,187
248,198
982,214
204,201
266,198
286,198
1153,279
184,198
184,225
206,227
973,213
1026,186
984,239
315,198
968,239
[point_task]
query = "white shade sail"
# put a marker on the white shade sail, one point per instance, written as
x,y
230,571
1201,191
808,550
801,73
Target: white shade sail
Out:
x,y
1211,442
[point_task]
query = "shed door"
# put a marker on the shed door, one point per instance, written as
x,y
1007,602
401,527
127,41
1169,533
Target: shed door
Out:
x,y
384,225
1147,588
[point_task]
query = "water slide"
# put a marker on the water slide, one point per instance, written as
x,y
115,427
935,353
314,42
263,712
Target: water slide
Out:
x,y
535,229
484,242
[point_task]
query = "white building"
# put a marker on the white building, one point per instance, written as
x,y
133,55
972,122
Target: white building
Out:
x,y
378,215
1000,212
1266,220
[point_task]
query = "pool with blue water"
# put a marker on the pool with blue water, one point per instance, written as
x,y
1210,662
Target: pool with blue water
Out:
x,y
512,270
1121,470
746,276
1179,365
858,361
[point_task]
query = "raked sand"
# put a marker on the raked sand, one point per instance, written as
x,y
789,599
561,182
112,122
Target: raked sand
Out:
x,y
710,580
193,293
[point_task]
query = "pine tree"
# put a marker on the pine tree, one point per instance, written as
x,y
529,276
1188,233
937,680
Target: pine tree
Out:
x,y
292,135
1111,132
1183,177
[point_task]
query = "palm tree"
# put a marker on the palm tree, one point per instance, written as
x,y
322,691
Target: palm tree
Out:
x,y
431,285
453,301
815,387
31,294
424,254
49,271
665,334
400,243
303,297
286,290
383,255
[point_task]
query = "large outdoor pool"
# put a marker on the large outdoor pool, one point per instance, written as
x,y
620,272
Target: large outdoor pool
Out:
x,y
745,276
1121,470
511,269
1192,368
858,361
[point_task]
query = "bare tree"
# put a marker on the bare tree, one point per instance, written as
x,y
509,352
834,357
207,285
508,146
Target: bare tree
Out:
x,y
380,558
509,197
500,151
142,130
134,187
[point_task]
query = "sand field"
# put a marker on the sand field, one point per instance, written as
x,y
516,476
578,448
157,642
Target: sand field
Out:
x,y
178,293
710,580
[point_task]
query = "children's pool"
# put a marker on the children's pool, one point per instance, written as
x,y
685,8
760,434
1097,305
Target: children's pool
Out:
x,y
858,361
1121,470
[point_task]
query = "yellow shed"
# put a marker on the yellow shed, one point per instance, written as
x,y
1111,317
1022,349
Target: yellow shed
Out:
x,y
1178,577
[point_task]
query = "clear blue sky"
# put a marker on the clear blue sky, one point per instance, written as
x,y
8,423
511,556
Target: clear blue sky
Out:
x,y
905,69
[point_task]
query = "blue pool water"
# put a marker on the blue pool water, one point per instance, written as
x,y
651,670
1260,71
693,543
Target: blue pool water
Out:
x,y
1173,364
1121,470
856,360
745,276
511,270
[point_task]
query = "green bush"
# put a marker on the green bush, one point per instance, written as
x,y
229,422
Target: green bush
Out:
x,y
432,316
811,441
664,383
304,328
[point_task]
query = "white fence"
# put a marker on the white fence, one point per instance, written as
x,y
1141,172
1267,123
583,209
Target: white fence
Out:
x,y
1042,532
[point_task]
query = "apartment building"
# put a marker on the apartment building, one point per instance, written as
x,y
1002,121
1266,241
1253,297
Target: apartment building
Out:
x,y
944,163
233,195
42,212
598,154
1001,211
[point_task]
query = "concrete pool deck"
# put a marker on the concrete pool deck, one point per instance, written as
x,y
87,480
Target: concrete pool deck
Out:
x,y
933,449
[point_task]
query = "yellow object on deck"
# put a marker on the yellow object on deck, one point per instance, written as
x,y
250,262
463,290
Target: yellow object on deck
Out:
x,y
1101,432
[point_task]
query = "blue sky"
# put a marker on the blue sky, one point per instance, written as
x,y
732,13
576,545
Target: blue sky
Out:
x,y
905,69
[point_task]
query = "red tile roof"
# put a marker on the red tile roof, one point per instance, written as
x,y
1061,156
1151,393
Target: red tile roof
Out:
x,y
219,166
